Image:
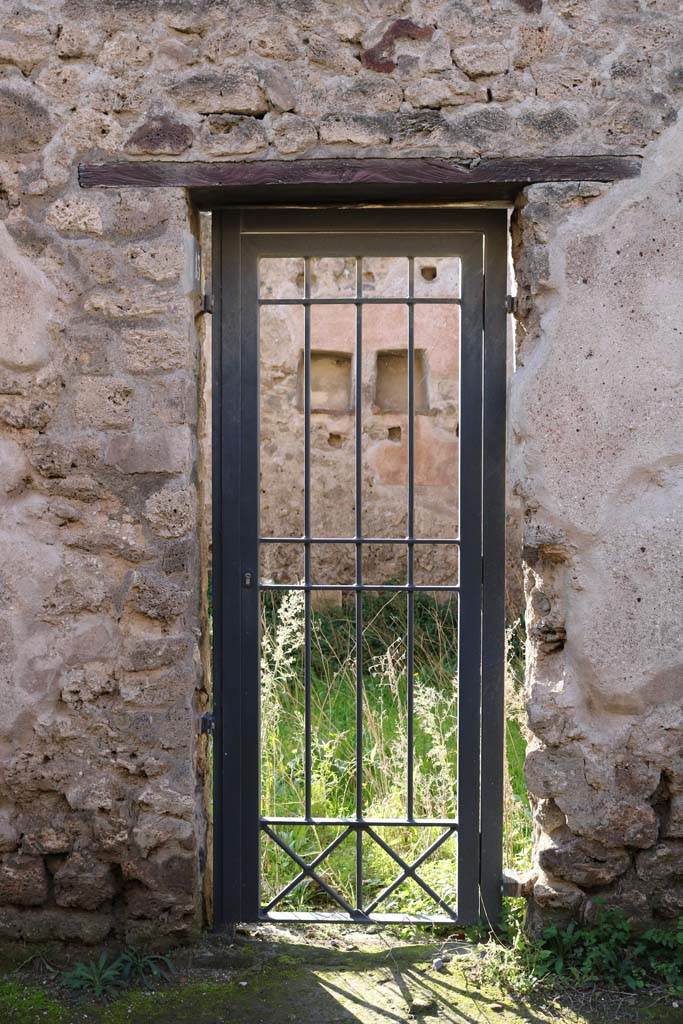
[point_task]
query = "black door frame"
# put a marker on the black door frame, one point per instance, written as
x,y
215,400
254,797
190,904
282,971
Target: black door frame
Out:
x,y
238,234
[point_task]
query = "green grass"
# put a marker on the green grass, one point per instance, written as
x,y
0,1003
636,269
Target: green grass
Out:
x,y
27,1004
385,754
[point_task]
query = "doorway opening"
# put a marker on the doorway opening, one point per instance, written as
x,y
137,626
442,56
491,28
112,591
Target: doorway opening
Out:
x,y
358,564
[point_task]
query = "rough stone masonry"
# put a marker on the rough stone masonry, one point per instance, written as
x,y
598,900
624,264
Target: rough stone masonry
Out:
x,y
102,822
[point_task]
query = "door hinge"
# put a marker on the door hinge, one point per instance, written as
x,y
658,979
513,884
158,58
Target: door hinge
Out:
x,y
512,304
207,723
207,303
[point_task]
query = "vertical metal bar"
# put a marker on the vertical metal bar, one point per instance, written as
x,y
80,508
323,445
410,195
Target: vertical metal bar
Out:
x,y
248,549
493,619
410,610
307,543
234,773
359,578
219,902
469,611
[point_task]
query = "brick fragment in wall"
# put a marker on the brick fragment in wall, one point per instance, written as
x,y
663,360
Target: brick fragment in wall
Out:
x,y
380,56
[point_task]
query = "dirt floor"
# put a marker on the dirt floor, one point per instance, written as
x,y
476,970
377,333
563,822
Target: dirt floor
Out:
x,y
309,976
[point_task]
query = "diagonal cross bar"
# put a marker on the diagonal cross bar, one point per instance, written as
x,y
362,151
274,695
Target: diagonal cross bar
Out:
x,y
307,872
307,869
409,871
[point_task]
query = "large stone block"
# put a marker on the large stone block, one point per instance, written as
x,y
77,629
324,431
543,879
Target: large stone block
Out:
x,y
83,883
172,511
227,92
25,124
23,880
156,451
28,301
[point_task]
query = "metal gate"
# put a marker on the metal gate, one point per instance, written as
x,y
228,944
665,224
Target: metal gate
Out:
x,y
248,245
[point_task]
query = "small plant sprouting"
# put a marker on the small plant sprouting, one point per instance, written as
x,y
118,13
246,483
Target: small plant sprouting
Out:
x,y
146,969
101,978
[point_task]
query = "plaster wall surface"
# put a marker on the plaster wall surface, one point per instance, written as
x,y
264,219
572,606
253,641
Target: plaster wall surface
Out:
x,y
102,826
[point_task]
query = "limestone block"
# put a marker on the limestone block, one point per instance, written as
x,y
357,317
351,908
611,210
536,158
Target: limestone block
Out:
x,y
153,451
556,895
84,685
172,511
144,653
482,59
154,596
76,217
23,50
9,834
27,305
14,468
142,213
162,261
662,864
163,800
227,92
150,351
155,830
154,689
46,925
124,50
23,880
674,822
103,402
45,840
582,861
160,134
292,134
230,134
361,94
278,87
25,124
133,303
83,883
109,537
443,92
353,128
77,41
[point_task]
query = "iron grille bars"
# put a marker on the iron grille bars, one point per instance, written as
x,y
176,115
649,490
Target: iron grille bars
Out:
x,y
358,486
243,238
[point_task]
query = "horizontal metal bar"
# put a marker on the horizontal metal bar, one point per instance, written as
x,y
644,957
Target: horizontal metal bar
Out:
x,y
368,301
393,587
358,917
359,540
365,822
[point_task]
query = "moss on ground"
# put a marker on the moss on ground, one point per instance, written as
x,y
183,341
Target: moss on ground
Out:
x,y
302,979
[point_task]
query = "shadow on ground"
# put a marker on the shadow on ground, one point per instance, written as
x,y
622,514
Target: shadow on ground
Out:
x,y
277,976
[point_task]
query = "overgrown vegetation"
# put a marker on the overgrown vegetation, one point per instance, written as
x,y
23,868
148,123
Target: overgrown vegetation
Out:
x,y
608,951
385,750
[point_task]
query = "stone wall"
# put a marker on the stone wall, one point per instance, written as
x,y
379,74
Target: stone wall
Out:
x,y
102,827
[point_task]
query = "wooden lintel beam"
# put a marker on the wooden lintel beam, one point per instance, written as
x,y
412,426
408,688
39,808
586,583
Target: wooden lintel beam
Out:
x,y
336,174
